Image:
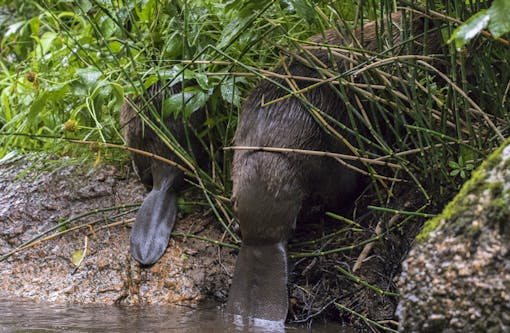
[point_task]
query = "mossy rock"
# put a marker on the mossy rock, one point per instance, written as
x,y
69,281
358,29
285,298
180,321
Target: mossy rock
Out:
x,y
457,276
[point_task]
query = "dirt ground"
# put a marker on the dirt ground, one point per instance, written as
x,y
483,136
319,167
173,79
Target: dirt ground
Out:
x,y
37,194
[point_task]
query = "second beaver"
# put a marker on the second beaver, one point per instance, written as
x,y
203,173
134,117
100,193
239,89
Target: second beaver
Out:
x,y
156,217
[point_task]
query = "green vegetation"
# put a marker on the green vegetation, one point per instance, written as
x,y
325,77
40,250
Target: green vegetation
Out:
x,y
471,192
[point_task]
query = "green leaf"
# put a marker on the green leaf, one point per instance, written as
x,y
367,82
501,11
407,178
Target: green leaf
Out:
x,y
108,27
173,47
184,206
57,91
176,74
231,31
305,10
38,105
47,41
89,76
185,102
453,164
85,6
116,46
230,93
454,172
468,154
151,80
202,80
500,17
465,32
147,10
6,106
77,257
496,18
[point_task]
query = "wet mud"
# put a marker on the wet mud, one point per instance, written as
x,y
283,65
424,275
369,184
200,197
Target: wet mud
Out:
x,y
37,193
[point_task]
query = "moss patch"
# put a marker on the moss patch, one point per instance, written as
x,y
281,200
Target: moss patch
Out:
x,y
463,200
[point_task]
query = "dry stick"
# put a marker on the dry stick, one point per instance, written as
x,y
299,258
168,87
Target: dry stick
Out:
x,y
165,160
114,224
175,234
316,153
160,134
323,238
294,88
386,85
366,250
62,224
385,61
298,78
505,95
205,239
59,233
436,114
378,230
315,61
334,77
419,150
365,173
207,62
338,157
137,151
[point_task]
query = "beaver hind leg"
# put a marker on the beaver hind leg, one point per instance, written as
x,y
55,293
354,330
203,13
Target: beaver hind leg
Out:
x,y
267,198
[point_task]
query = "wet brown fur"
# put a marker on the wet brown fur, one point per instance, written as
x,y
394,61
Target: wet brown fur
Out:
x,y
156,217
270,188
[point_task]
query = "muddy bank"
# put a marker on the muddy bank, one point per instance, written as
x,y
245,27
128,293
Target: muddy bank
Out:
x,y
339,271
457,276
37,193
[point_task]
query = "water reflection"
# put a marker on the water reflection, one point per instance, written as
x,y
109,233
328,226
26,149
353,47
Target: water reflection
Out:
x,y
24,317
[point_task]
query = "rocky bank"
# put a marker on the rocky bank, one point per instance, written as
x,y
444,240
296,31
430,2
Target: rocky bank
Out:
x,y
457,276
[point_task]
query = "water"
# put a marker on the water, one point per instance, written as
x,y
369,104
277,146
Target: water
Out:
x,y
25,317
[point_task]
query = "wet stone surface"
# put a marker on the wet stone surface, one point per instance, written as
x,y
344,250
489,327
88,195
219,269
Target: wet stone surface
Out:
x,y
36,193
458,278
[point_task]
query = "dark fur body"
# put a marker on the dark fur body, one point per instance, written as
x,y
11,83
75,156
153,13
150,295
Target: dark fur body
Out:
x,y
269,188
156,217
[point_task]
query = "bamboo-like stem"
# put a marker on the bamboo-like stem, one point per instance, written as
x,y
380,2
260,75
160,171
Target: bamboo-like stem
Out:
x,y
364,318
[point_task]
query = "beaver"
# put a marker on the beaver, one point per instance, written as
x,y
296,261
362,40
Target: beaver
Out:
x,y
156,217
269,187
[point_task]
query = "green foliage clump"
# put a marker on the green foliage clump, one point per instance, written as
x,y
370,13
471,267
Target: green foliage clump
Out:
x,y
72,62
496,19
